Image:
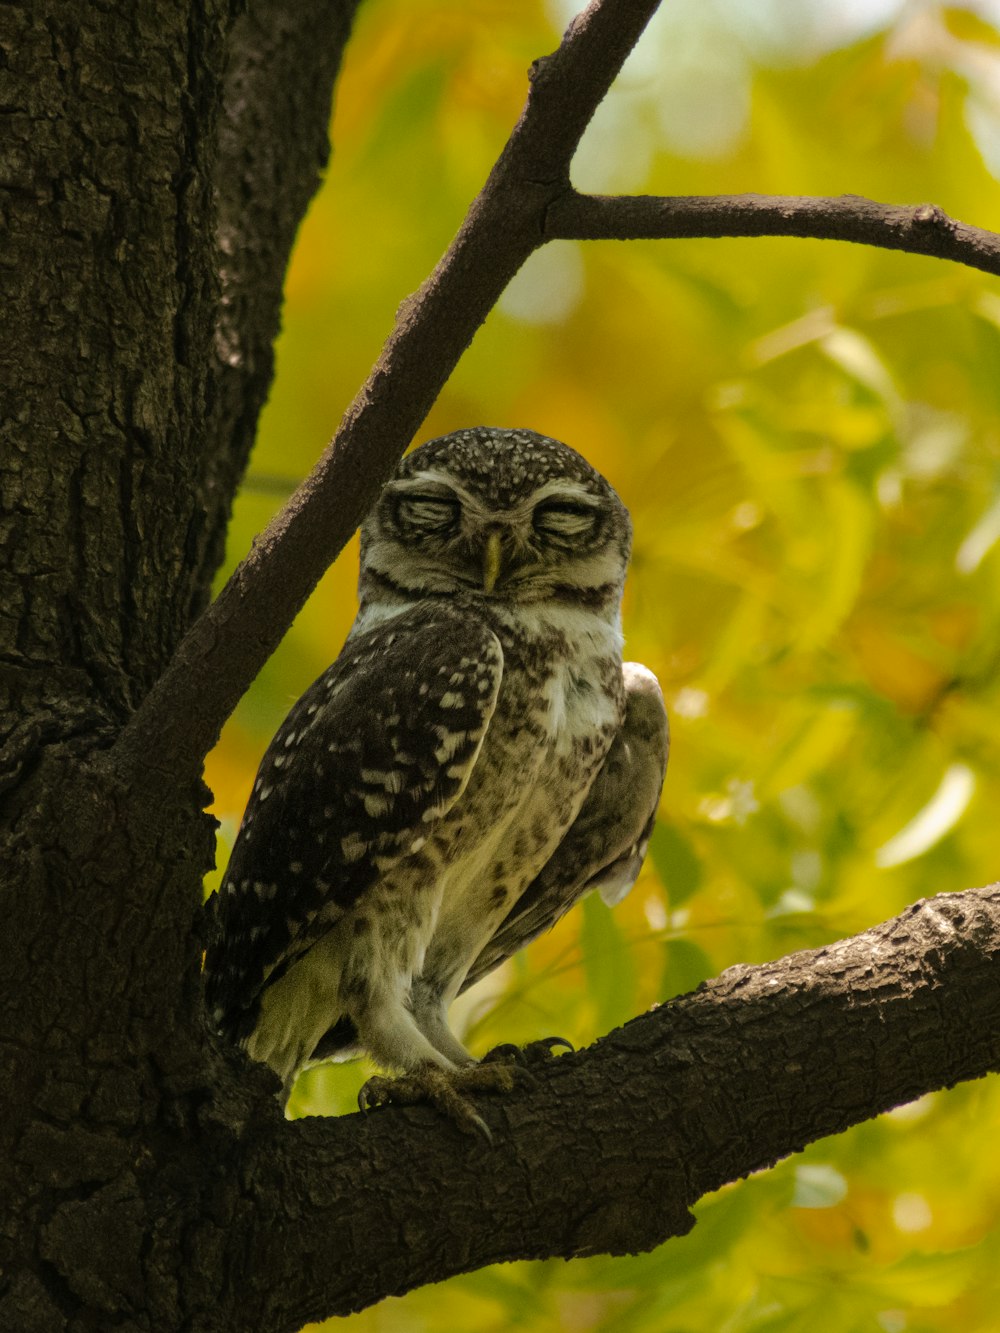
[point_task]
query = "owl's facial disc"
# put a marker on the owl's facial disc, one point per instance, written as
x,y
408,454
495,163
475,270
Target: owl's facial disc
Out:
x,y
432,535
505,515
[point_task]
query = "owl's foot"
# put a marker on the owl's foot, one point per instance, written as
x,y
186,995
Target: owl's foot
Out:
x,y
531,1053
445,1089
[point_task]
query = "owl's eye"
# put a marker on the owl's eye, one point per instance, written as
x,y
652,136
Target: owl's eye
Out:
x,y
567,520
426,513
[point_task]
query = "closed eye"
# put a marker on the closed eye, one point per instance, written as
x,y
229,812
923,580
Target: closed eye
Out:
x,y
565,519
426,513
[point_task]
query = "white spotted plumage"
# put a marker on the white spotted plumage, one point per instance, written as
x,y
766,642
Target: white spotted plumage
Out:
x,y
473,762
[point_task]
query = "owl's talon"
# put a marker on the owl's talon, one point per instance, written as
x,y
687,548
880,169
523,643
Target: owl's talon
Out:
x,y
447,1090
505,1053
376,1092
532,1053
509,1059
544,1047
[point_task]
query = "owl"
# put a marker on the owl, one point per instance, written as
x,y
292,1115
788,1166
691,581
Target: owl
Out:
x,y
476,759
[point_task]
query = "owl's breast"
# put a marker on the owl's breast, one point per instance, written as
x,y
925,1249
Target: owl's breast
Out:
x,y
560,705
559,708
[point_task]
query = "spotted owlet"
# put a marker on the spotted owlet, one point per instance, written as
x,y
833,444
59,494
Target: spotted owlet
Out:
x,y
475,760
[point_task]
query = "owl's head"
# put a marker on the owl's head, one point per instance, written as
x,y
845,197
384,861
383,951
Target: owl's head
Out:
x,y
506,515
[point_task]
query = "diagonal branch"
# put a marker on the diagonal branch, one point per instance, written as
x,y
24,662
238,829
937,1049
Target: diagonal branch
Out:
x,y
181,717
526,201
612,1147
922,229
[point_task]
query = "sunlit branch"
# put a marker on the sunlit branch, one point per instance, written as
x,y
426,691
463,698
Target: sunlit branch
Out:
x,y
701,1091
922,229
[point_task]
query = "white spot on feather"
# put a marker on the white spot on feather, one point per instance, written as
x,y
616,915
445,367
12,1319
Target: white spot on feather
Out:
x,y
389,778
353,847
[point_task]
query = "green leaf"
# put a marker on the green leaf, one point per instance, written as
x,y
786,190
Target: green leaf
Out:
x,y
685,967
676,862
607,964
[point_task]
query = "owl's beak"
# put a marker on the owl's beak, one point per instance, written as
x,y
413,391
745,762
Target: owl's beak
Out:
x,y
492,555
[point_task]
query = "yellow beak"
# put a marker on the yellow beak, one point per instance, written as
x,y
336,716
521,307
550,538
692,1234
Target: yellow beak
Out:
x,y
491,561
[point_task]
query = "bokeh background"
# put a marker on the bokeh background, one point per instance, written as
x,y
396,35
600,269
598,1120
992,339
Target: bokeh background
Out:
x,y
806,434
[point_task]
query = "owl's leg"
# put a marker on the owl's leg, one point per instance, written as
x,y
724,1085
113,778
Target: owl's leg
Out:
x,y
430,1009
390,1034
447,1078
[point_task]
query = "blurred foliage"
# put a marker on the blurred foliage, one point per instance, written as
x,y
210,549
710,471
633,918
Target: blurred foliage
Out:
x,y
806,434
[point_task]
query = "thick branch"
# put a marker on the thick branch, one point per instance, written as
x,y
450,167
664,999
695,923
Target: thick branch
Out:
x,y
273,145
181,717
922,229
612,1147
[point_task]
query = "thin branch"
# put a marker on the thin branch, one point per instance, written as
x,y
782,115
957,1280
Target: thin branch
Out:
x,y
922,229
182,716
612,1147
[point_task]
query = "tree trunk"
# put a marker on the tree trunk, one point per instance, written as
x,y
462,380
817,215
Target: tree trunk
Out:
x,y
156,166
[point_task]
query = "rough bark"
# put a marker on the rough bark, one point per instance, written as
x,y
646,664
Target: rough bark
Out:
x,y
273,146
109,299
154,167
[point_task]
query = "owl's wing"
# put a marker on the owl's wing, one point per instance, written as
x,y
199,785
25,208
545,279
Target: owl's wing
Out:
x,y
605,845
376,750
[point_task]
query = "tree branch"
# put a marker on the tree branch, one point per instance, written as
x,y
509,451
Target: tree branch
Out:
x,y
612,1147
526,201
181,717
273,145
922,229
